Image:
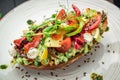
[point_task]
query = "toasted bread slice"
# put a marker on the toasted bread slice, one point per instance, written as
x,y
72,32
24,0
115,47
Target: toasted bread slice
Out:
x,y
70,61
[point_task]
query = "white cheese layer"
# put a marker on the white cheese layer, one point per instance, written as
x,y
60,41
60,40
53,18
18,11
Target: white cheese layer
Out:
x,y
32,53
12,52
88,37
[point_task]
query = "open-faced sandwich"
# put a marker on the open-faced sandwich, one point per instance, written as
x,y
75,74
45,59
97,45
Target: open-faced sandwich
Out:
x,y
59,40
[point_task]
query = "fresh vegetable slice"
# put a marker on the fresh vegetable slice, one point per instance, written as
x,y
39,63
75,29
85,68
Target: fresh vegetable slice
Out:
x,y
78,41
93,23
58,35
73,22
76,45
76,9
44,56
65,45
78,30
61,15
34,43
18,42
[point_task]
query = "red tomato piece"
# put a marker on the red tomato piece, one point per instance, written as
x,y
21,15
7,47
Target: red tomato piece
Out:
x,y
80,41
65,45
61,14
77,46
57,36
28,46
34,43
18,42
93,23
73,23
76,9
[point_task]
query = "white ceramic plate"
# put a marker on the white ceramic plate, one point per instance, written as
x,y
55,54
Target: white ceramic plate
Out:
x,y
104,60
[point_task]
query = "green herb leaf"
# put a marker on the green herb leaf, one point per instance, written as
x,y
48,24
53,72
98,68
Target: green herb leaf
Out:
x,y
53,15
42,41
3,66
47,29
29,35
30,22
33,27
107,29
57,22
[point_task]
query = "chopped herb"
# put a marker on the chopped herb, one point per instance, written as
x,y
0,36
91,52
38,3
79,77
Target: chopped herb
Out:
x,y
47,29
33,27
107,29
95,76
57,22
3,66
30,22
54,15
28,36
104,16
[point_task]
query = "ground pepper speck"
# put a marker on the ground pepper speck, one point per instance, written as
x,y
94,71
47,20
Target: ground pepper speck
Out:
x,y
56,75
79,65
84,74
51,73
38,73
35,78
103,63
93,61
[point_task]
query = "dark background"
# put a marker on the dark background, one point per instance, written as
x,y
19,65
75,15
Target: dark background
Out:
x,y
7,5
